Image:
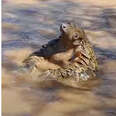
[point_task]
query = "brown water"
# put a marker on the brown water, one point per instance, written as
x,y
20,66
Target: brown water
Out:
x,y
27,24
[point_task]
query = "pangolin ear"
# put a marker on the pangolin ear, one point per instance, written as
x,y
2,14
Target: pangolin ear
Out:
x,y
72,24
83,34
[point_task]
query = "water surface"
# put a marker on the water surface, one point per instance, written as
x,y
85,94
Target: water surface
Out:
x,y
29,24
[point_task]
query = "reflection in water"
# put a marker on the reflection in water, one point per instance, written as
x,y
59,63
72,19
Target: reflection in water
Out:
x,y
28,25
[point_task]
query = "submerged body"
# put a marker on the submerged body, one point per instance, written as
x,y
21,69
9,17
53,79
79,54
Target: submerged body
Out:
x,y
70,57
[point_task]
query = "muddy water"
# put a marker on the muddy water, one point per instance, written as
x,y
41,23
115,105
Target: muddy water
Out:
x,y
29,24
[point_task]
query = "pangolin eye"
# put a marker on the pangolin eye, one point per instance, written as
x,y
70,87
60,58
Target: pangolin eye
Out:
x,y
64,26
76,36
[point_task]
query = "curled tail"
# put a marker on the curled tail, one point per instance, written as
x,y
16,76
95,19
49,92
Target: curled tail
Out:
x,y
67,74
75,73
